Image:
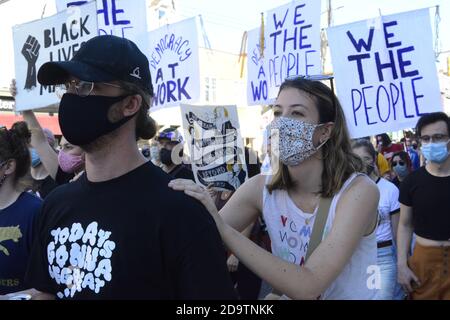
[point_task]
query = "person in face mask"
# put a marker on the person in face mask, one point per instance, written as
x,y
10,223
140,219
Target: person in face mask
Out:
x,y
316,163
54,169
171,154
389,214
401,166
424,195
18,210
167,250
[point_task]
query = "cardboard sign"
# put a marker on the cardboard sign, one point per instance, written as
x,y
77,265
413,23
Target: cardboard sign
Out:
x,y
55,38
174,64
215,144
385,72
122,18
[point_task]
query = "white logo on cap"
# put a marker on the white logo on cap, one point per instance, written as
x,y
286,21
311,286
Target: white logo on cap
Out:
x,y
136,73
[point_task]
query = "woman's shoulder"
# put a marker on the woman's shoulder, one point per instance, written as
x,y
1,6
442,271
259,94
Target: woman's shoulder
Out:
x,y
359,187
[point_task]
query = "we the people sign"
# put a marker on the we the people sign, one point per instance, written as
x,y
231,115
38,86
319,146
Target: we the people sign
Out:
x,y
56,38
385,72
292,42
122,18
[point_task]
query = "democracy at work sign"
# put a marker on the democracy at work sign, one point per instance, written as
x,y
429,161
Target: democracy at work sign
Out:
x,y
216,146
292,42
257,71
56,38
122,18
385,72
174,64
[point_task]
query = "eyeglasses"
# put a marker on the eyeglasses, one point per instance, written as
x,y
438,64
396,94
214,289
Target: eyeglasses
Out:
x,y
434,138
82,88
400,162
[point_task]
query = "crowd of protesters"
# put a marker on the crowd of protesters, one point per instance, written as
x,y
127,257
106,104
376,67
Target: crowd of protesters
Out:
x,y
98,218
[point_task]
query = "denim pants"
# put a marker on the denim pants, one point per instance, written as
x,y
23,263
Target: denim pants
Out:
x,y
387,261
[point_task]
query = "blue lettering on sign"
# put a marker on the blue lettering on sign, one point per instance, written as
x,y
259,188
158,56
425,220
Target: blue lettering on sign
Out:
x,y
114,13
76,3
386,101
173,90
388,35
361,43
392,99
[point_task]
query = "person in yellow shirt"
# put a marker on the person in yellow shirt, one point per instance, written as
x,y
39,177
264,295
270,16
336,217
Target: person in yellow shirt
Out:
x,y
383,166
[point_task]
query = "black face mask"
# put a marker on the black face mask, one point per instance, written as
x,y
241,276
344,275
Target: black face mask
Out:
x,y
414,146
84,119
165,155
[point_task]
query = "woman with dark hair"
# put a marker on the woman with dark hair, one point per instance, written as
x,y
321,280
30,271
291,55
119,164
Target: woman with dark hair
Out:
x,y
18,208
401,166
318,174
386,147
389,215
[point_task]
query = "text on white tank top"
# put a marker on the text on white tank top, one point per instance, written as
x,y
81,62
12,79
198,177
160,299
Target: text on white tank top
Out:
x,y
290,230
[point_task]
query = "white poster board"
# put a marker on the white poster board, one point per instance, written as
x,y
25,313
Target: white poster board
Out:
x,y
292,39
257,71
216,146
56,38
385,72
174,64
122,18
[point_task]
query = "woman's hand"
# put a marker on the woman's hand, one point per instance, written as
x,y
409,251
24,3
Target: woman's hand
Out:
x,y
407,279
197,192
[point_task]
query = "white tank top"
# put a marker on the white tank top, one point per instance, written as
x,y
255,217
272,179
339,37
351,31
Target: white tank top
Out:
x,y
290,229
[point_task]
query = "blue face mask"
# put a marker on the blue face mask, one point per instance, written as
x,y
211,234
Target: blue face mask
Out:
x,y
401,171
435,152
35,160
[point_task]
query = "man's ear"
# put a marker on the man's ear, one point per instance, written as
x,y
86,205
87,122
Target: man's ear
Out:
x,y
132,104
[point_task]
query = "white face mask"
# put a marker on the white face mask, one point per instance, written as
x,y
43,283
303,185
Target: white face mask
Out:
x,y
295,140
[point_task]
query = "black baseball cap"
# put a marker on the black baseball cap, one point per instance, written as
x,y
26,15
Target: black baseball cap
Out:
x,y
102,59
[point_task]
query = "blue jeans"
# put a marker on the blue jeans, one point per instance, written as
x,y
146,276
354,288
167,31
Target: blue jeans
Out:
x,y
387,261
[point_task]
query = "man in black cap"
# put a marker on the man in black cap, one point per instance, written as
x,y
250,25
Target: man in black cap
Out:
x,y
119,232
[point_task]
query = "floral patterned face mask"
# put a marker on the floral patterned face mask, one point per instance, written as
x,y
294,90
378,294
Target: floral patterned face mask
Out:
x,y
295,140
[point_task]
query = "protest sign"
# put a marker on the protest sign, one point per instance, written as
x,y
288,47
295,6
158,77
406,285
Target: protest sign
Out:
x,y
216,146
385,72
174,64
257,71
122,18
56,38
293,43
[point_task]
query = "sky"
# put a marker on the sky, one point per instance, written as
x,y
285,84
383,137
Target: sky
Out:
x,y
224,20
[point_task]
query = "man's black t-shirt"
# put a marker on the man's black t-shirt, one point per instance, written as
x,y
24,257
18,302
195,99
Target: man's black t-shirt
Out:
x,y
182,172
429,197
128,238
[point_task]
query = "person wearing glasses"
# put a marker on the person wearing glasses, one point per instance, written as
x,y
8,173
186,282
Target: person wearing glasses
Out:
x,y
171,154
425,211
119,232
401,166
389,215
316,163
18,209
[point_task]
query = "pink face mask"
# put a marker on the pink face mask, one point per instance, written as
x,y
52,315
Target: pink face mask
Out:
x,y
70,163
